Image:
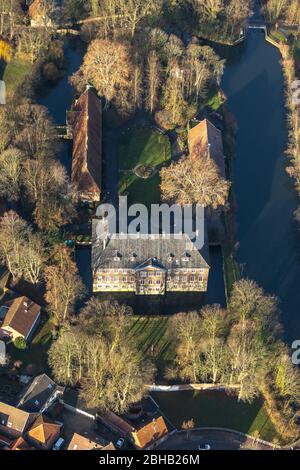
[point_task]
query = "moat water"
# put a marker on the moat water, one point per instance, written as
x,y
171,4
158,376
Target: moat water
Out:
x,y
266,234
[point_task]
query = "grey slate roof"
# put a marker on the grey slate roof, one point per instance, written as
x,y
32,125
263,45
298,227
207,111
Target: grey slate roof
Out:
x,y
162,251
40,394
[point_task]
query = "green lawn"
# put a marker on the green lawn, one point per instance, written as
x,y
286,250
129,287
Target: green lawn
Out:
x,y
153,340
15,73
216,409
141,146
36,353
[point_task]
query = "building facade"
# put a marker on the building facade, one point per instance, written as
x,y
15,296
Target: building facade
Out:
x,y
148,264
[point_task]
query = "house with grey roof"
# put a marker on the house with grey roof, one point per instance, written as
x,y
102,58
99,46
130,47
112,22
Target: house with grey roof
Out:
x,y
13,421
148,264
41,393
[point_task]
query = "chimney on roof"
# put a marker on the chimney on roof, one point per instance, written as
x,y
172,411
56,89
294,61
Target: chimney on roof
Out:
x,y
102,231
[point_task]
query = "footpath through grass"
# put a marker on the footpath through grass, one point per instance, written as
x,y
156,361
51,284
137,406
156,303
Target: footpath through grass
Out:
x,y
142,146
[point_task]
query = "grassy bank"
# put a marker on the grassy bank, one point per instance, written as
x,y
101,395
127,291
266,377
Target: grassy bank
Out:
x,y
15,74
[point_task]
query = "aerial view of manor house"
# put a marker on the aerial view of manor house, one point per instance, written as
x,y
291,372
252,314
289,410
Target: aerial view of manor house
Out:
x,y
149,228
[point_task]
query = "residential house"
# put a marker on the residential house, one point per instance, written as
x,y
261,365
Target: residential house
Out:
x,y
22,319
13,421
41,393
116,423
146,264
85,126
5,442
43,433
44,13
150,435
79,442
21,444
205,139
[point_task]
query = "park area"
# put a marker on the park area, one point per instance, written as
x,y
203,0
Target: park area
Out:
x,y
207,408
212,408
142,152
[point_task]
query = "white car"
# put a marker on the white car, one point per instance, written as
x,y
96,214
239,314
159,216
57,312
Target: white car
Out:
x,y
204,447
119,443
58,444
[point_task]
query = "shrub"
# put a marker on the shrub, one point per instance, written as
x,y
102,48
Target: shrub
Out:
x,y
20,343
51,72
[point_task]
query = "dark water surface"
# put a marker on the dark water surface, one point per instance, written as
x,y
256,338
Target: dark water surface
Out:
x,y
58,98
269,245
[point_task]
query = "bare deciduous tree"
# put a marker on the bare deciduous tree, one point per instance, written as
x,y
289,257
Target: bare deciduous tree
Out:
x,y
20,250
213,322
107,65
194,181
112,372
63,285
153,81
10,170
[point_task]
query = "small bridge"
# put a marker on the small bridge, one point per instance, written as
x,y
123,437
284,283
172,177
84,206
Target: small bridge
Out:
x,y
257,24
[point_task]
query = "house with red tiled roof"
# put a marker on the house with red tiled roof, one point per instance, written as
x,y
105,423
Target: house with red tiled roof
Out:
x,y
22,319
150,435
205,139
79,442
43,433
21,444
85,126
44,12
116,423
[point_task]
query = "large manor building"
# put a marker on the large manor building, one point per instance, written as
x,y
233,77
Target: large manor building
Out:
x,y
148,264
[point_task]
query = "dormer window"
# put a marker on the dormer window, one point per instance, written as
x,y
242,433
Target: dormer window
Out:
x,y
170,257
118,256
186,257
133,256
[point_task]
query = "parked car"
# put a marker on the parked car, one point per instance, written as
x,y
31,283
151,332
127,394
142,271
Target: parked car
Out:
x,y
120,443
58,444
204,447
